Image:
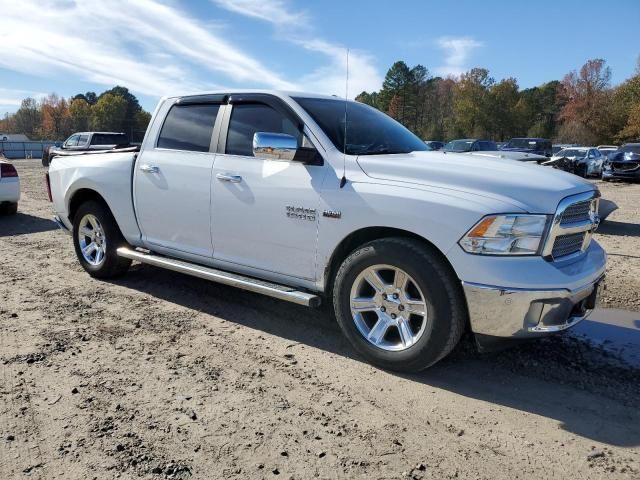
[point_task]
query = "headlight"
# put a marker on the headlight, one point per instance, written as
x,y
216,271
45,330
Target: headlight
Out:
x,y
506,235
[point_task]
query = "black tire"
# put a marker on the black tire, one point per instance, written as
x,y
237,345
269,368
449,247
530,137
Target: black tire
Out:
x,y
9,208
112,265
446,305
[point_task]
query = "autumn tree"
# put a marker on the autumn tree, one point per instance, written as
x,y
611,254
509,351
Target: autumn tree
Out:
x,y
586,100
56,119
502,119
108,113
471,101
80,112
128,124
142,120
27,118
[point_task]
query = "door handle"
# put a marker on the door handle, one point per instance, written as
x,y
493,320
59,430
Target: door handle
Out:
x,y
226,177
149,168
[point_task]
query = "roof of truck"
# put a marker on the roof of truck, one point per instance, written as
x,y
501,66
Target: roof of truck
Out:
x,y
278,93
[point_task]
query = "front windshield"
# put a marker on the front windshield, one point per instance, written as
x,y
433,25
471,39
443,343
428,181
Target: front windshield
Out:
x,y
520,143
571,152
369,131
458,146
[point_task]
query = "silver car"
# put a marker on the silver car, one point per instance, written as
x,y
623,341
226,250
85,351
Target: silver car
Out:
x,y
582,161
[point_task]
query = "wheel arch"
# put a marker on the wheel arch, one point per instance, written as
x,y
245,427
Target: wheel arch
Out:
x,y
83,195
365,235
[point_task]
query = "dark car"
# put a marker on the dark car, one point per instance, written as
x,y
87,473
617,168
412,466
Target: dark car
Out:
x,y
434,144
470,145
623,164
86,141
537,146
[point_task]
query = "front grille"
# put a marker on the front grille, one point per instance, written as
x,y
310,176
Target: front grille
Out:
x,y
567,244
625,166
578,212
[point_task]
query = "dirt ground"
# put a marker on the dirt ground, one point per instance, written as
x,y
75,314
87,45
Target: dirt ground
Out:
x,y
159,375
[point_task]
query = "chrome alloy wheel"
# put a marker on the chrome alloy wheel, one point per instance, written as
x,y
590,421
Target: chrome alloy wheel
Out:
x,y
92,240
388,308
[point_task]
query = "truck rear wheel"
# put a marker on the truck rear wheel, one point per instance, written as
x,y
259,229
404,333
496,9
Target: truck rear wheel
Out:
x,y
399,304
96,237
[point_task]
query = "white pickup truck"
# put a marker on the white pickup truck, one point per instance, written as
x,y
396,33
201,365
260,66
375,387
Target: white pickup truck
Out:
x,y
261,190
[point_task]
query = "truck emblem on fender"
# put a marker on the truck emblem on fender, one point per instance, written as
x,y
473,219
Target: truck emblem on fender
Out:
x,y
301,213
332,213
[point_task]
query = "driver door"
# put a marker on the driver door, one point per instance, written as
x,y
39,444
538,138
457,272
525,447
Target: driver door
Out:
x,y
264,210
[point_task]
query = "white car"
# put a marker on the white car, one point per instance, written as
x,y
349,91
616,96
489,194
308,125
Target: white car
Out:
x,y
262,190
9,188
582,161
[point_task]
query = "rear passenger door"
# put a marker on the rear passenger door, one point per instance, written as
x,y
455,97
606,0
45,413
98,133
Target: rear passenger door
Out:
x,y
172,180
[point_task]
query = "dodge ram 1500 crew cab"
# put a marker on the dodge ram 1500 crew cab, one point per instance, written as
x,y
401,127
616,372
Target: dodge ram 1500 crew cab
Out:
x,y
309,198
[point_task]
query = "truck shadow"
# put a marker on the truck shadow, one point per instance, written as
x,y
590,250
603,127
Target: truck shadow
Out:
x,y
23,223
587,395
620,228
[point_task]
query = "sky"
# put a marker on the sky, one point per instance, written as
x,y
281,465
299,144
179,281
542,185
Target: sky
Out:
x,y
169,47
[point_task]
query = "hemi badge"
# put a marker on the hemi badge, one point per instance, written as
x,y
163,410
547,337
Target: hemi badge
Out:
x,y
332,213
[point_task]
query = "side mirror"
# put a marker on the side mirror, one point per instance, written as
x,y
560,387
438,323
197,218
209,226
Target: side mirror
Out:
x,y
276,146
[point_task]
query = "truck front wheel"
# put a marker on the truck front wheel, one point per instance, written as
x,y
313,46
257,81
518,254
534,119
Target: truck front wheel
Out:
x,y
399,304
96,237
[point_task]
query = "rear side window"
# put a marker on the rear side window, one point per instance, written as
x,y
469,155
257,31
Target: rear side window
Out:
x,y
247,119
188,127
109,139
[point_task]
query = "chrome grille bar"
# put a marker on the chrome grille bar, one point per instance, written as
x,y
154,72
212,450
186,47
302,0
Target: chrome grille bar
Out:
x,y
570,219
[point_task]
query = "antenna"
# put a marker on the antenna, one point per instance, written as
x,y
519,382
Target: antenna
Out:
x,y
343,180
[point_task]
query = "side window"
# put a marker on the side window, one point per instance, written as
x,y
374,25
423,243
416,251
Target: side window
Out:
x,y
188,127
247,119
72,141
83,139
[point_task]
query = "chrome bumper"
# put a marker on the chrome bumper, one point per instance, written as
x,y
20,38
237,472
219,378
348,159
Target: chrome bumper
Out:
x,y
61,225
520,313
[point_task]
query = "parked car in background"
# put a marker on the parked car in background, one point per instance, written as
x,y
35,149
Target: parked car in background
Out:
x,y
537,146
607,150
410,246
582,161
624,164
470,145
85,141
561,146
9,188
434,144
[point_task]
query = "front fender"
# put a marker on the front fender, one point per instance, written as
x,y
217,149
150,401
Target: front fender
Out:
x,y
437,217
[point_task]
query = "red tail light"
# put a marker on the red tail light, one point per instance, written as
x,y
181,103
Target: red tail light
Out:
x,y
7,170
47,186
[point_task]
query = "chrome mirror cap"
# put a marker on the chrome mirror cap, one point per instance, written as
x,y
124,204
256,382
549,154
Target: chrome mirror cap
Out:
x,y
277,146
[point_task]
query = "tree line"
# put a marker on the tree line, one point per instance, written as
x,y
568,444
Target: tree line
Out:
x,y
581,108
55,118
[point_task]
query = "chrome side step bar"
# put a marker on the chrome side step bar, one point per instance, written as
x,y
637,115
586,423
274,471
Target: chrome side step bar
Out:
x,y
247,283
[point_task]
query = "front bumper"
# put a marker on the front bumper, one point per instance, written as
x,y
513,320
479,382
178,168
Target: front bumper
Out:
x,y
521,313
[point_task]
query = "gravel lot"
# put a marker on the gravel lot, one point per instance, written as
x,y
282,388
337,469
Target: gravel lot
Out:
x,y
159,375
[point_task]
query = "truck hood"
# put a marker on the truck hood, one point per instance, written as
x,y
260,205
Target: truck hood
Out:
x,y
529,187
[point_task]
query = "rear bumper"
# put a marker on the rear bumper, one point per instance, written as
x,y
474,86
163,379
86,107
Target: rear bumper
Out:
x,y
9,190
522,313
